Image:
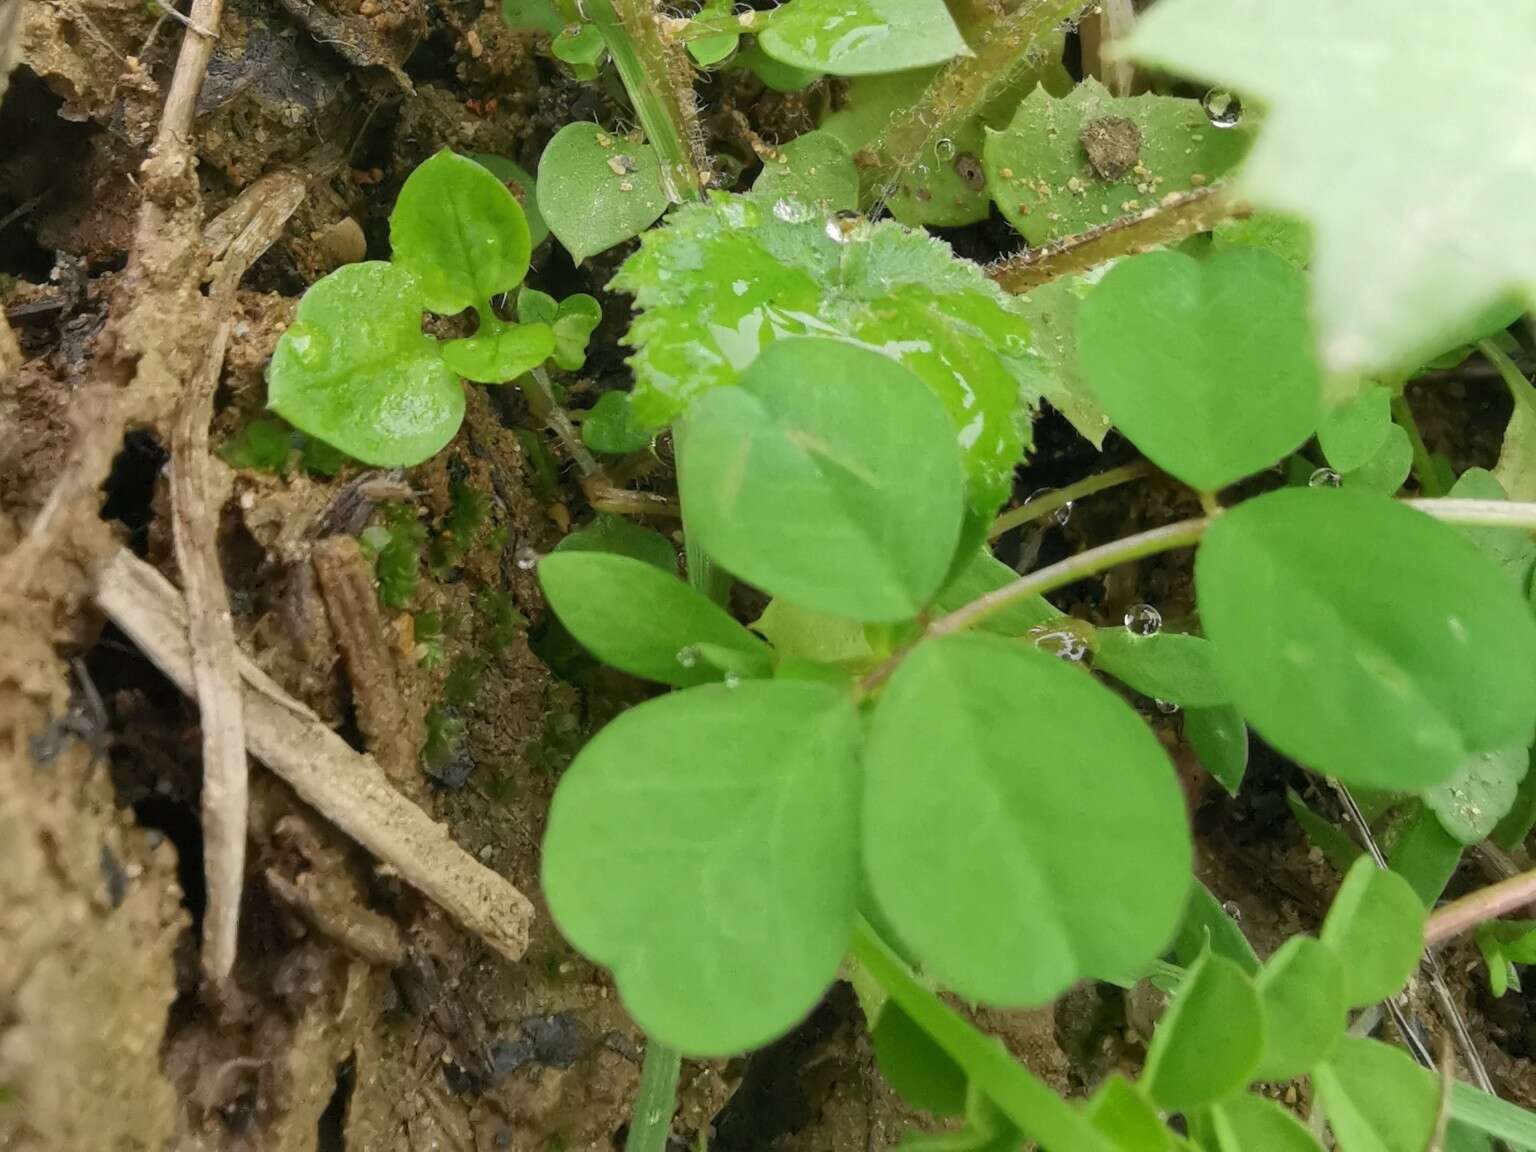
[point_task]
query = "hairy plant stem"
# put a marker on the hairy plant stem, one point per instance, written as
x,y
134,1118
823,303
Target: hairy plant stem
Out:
x,y
656,74
655,1103
1479,907
968,83
1034,1108
1038,507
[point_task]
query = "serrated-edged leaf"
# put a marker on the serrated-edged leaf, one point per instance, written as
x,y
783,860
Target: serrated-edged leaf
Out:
x,y
1376,928
723,280
802,634
499,351
1249,1123
596,189
986,573
981,867
918,1069
639,619
828,478
1388,670
1220,740
1376,1098
1480,793
610,533
1209,1042
1302,991
1207,924
1285,236
704,846
611,428
1052,371
1206,366
1066,165
1456,175
815,169
510,174
1166,665
1352,433
852,37
1387,469
1120,1111
1512,548
355,369
459,230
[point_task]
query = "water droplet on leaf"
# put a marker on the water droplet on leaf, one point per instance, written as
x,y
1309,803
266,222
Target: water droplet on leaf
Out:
x,y
1166,707
1323,478
1232,910
1143,620
1222,108
732,679
846,226
687,657
944,149
792,211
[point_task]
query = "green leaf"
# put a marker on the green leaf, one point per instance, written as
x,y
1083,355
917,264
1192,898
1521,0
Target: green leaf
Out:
x,y
815,169
775,75
1480,793
1376,1098
724,279
261,445
1220,740
639,619
1512,548
805,635
852,37
1302,990
1054,373
1009,877
1445,178
1389,670
355,369
610,533
582,47
1517,825
1376,928
1206,924
499,351
1120,1111
1330,839
611,428
845,500
1498,1118
1386,471
707,51
576,319
597,190
1253,1124
986,573
1284,235
511,174
704,846
1209,1041
1424,854
462,234
1207,367
1066,165
534,15
1166,666
1354,432
918,1069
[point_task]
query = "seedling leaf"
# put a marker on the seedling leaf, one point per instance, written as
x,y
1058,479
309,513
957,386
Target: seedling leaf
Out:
x,y
704,846
1376,929
509,173
1354,432
815,169
1209,1041
1388,669
1166,666
981,867
611,429
499,351
1120,1111
1206,924
1220,740
1302,990
610,533
597,189
852,37
1480,793
918,1069
1206,367
1247,1123
1376,1098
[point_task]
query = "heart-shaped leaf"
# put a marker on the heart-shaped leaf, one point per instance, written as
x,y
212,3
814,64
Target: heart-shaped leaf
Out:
x,y
1209,1042
1207,367
597,189
852,37
355,369
975,830
1389,670
1354,432
815,169
459,230
828,477
704,846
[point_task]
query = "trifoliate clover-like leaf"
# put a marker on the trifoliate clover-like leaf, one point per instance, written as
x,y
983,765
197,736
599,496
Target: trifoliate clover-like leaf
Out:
x,y
1402,132
725,278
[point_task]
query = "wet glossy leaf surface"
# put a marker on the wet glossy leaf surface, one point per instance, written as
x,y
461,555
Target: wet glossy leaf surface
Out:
x,y
1209,1041
1376,929
597,189
851,37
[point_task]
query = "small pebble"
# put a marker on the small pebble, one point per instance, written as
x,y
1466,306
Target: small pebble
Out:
x,y
344,241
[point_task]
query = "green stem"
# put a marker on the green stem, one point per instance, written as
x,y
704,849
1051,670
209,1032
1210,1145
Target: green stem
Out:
x,y
1034,1108
1519,387
1041,506
656,1102
656,74
1423,466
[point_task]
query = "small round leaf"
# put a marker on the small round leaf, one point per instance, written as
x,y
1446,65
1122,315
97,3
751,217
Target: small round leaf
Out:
x,y
1376,929
704,846
1363,638
597,189
355,370
1302,989
830,476
1208,1043
1023,828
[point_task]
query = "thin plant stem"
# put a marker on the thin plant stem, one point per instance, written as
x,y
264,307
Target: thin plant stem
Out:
x,y
542,400
656,74
1481,906
1038,507
656,1101
1423,466
1034,1108
1519,387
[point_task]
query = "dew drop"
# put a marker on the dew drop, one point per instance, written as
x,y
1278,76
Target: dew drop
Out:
x,y
1061,515
846,226
1063,644
1222,108
1143,620
1232,910
732,680
792,211
944,149
1166,707
687,657
525,558
1323,478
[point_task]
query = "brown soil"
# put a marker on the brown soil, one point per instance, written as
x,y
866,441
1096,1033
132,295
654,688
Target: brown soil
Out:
x,y
359,1016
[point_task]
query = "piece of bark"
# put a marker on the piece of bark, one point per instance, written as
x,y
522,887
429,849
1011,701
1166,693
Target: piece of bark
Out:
x,y
360,931
347,787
